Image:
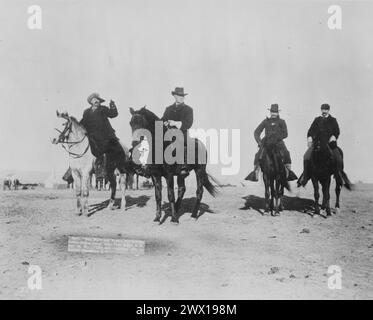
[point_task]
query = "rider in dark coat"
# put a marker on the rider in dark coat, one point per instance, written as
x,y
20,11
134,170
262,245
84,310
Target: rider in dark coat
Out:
x,y
180,116
275,130
101,135
324,127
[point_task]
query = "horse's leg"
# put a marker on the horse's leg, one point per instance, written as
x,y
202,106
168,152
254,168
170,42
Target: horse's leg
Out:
x,y
273,195
338,188
281,196
157,182
316,195
266,193
123,187
277,197
113,188
85,192
137,182
200,173
180,192
326,196
78,190
171,198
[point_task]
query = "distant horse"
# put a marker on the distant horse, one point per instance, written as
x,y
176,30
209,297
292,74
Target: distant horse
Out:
x,y
130,179
145,119
16,183
74,140
68,177
321,168
11,183
7,183
274,177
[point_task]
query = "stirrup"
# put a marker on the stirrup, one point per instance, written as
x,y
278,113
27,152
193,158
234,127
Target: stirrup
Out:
x,y
301,181
291,176
252,177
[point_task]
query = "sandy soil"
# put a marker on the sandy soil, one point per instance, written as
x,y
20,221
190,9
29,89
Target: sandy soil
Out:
x,y
230,252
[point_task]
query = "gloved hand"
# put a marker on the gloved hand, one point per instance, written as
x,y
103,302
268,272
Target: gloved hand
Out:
x,y
333,144
309,142
332,138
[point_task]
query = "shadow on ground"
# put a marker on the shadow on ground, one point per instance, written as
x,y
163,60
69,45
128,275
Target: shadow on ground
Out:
x,y
187,206
302,205
139,201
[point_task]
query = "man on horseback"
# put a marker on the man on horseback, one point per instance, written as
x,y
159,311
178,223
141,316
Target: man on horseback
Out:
x,y
325,127
275,130
179,116
101,135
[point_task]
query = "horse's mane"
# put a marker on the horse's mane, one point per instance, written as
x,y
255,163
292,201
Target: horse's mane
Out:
x,y
76,122
149,115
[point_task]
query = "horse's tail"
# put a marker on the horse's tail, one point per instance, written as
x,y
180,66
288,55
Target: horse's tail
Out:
x,y
285,183
212,189
347,183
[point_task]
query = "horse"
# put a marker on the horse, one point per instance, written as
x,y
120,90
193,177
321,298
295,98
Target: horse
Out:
x,y
274,177
16,183
7,183
68,177
145,119
130,179
321,168
74,140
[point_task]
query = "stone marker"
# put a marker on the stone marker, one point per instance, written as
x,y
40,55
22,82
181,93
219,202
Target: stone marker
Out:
x,y
105,245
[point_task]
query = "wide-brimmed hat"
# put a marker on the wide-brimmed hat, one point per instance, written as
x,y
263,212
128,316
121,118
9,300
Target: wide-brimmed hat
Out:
x,y
325,106
179,92
274,108
94,95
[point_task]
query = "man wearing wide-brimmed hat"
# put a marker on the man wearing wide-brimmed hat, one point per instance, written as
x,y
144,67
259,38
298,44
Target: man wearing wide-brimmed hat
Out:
x,y
275,129
101,134
180,116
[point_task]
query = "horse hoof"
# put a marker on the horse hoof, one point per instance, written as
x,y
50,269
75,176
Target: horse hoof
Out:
x,y
194,216
337,211
157,219
275,214
174,221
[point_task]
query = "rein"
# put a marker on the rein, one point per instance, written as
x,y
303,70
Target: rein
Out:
x,y
64,135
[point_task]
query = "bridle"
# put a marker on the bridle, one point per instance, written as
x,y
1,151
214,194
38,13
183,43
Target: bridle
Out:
x,y
64,135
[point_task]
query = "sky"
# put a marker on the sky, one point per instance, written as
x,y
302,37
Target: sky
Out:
x,y
233,57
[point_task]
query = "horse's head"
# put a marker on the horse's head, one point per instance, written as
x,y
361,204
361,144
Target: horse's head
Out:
x,y
321,148
139,119
68,128
142,122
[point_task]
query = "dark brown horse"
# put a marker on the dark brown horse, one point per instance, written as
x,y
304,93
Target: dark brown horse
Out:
x,y
145,119
322,167
274,177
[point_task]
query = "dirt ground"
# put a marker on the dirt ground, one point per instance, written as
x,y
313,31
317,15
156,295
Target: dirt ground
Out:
x,y
231,252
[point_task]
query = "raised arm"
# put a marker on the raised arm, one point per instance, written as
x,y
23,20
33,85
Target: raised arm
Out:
x,y
111,112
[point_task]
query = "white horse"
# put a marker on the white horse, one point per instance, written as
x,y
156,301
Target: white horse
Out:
x,y
74,140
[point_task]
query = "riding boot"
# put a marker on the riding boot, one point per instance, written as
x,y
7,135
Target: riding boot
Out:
x,y
254,175
302,181
290,175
